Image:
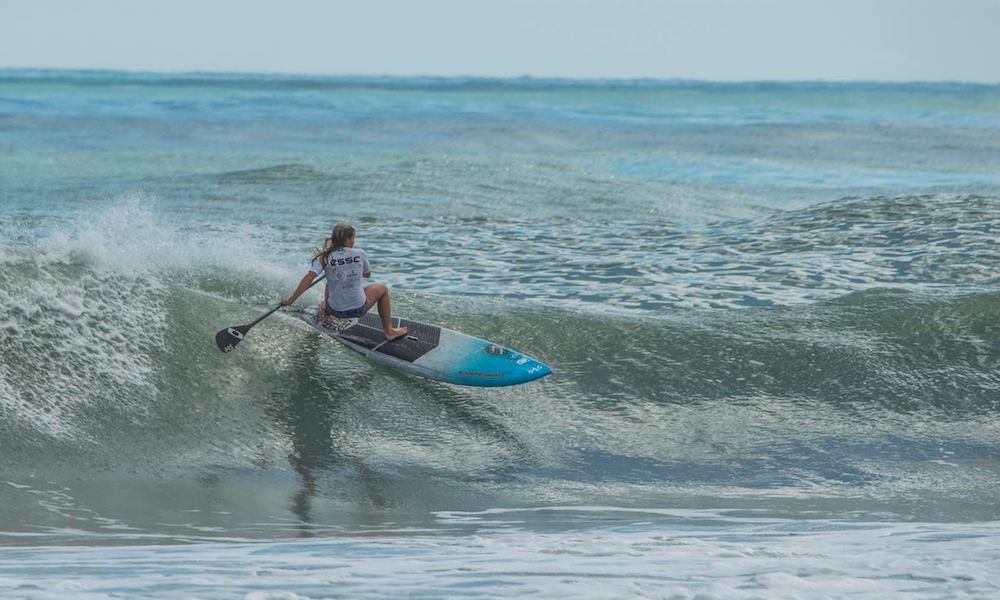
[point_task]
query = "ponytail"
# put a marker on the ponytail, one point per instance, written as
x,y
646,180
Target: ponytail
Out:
x,y
340,236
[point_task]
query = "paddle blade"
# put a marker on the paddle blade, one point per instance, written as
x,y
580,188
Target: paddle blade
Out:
x,y
228,338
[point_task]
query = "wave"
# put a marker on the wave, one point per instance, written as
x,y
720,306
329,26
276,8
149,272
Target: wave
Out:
x,y
88,350
285,172
105,312
108,369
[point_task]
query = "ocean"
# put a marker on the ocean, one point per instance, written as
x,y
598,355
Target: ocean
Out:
x,y
772,311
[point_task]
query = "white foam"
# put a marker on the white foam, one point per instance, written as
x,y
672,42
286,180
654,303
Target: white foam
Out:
x,y
86,313
725,560
131,238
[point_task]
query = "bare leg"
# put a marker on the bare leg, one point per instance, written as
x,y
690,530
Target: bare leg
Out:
x,y
378,293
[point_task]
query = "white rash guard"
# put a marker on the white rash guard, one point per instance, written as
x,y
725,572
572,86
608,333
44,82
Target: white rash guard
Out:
x,y
344,270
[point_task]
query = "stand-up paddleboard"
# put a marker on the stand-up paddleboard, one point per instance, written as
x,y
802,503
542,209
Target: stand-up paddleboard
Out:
x,y
429,351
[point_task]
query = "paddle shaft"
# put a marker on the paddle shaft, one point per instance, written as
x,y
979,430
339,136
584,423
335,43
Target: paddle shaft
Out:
x,y
227,339
279,305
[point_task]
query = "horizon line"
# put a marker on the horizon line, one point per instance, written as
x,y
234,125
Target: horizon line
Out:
x,y
511,78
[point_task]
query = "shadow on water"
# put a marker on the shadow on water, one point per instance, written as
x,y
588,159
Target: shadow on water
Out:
x,y
462,408
310,406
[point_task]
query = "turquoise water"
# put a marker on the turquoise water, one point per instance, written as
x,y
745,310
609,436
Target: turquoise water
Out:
x,y
772,311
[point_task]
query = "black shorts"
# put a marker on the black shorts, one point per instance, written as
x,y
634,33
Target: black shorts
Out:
x,y
348,314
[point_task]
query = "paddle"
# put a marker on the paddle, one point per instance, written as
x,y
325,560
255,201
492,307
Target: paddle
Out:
x,y
228,338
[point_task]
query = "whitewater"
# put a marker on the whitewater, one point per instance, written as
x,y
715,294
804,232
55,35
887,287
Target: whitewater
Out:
x,y
772,312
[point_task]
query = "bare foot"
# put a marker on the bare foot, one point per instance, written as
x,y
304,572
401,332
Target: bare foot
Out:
x,y
395,333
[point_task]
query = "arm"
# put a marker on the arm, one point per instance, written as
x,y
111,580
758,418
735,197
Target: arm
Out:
x,y
307,280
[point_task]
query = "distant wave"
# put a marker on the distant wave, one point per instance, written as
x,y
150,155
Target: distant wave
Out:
x,y
454,83
274,173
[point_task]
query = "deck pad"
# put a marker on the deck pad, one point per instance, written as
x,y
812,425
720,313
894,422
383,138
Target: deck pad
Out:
x,y
419,340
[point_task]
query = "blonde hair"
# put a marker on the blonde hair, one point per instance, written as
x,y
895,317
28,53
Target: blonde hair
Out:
x,y
341,234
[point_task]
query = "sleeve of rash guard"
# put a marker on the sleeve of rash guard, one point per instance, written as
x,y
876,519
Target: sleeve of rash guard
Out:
x,y
365,267
316,267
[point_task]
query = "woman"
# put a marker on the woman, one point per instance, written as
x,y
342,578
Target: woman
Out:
x,y
346,297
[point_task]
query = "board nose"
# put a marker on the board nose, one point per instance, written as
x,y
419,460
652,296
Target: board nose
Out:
x,y
539,370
